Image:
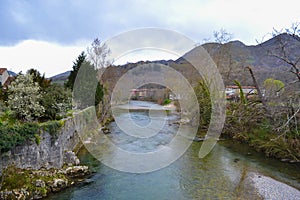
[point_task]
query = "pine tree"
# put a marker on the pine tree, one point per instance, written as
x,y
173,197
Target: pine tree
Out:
x,y
76,66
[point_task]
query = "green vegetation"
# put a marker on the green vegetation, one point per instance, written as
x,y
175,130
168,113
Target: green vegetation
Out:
x,y
33,104
88,91
38,183
16,134
13,134
14,179
56,101
24,98
31,98
167,101
269,119
76,66
273,88
247,121
203,97
52,127
242,95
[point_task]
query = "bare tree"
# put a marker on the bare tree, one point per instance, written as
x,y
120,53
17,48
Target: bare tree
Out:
x,y
284,52
223,57
98,53
294,29
222,36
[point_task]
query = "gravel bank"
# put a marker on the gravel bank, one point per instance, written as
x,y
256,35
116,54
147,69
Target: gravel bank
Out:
x,y
271,189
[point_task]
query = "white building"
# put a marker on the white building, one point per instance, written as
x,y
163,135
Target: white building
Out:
x,y
3,75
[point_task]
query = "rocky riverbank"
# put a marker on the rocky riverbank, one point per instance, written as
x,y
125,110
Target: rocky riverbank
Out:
x,y
258,186
24,184
35,169
269,188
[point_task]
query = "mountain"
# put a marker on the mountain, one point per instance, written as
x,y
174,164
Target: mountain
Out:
x,y
60,78
12,73
232,58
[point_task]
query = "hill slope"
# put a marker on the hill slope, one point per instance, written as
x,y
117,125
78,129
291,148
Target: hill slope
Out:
x,y
232,58
60,78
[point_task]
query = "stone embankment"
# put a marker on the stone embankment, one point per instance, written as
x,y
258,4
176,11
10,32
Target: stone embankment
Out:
x,y
34,170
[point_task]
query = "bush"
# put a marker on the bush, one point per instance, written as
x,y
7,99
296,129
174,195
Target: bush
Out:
x,y
16,134
203,97
57,102
11,136
24,98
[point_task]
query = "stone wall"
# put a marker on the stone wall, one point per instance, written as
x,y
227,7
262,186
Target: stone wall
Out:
x,y
53,150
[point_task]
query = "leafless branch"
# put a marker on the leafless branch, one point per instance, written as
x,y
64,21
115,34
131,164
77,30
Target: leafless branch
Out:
x,y
288,121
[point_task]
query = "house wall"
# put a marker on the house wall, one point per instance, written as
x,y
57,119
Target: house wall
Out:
x,y
3,77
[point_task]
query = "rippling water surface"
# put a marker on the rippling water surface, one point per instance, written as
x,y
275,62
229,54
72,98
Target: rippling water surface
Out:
x,y
220,175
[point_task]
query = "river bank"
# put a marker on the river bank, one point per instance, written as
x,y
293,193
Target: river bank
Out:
x,y
269,188
32,170
25,184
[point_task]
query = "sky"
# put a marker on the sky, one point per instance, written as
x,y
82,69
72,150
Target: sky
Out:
x,y
48,35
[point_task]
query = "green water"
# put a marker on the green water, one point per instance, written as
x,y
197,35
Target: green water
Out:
x,y
220,175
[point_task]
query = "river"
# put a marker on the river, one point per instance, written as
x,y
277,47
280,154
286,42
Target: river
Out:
x,y
220,175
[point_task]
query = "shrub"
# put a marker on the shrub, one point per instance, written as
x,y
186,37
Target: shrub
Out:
x,y
24,98
56,101
16,134
11,136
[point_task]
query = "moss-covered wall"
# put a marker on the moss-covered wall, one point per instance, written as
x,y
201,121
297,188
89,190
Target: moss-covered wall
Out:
x,y
49,151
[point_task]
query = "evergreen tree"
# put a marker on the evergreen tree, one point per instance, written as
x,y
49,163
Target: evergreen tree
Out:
x,y
88,90
38,78
76,66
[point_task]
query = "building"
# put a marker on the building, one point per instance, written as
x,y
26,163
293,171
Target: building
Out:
x,y
149,94
233,91
4,76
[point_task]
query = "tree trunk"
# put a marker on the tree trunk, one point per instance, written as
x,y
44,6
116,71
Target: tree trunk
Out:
x,y
260,95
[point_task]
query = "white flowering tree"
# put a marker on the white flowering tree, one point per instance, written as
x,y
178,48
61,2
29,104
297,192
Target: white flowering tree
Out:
x,y
24,98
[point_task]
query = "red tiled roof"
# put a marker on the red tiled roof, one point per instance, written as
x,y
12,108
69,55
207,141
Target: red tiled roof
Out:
x,y
2,70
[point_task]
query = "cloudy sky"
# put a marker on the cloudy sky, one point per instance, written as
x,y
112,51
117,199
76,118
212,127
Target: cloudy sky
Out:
x,y
49,34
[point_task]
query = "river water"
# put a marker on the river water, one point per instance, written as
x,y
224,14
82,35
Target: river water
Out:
x,y
220,175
